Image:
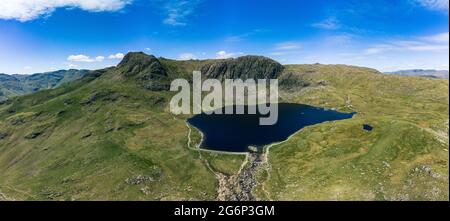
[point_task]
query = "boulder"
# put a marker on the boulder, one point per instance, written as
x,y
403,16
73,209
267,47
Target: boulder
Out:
x,y
3,135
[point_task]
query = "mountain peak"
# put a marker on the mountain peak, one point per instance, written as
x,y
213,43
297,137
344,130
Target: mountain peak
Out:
x,y
135,63
133,57
147,70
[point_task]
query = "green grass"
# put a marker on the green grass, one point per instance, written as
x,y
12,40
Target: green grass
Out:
x,y
228,164
88,150
129,136
340,161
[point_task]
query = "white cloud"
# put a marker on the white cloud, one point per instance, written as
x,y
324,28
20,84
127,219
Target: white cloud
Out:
x,y
174,19
330,23
439,38
85,58
71,66
434,4
99,58
26,10
234,38
338,39
116,56
240,37
80,57
27,68
225,55
377,49
187,56
278,53
433,43
283,53
285,46
426,47
178,11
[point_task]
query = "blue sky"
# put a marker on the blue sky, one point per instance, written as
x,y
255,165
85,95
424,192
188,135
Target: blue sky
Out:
x,y
45,35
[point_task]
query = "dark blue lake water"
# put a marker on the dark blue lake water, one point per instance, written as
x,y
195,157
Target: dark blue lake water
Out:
x,y
367,127
236,132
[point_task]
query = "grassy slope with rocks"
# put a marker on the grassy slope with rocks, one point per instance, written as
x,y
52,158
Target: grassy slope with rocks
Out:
x,y
405,157
101,137
110,136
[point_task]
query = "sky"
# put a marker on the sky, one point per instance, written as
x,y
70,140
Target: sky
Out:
x,y
388,35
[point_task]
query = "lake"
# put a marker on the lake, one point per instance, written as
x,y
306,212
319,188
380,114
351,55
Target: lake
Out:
x,y
236,132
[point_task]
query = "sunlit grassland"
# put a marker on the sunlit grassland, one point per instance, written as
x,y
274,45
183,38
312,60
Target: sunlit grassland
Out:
x,y
107,138
405,157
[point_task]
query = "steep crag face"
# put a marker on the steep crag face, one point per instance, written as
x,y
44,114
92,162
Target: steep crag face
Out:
x,y
153,74
246,67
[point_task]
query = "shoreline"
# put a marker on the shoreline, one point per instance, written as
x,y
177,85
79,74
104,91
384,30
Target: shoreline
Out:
x,y
207,150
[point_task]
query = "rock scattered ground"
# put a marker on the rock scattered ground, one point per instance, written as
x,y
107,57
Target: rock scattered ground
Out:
x,y
3,196
141,179
239,186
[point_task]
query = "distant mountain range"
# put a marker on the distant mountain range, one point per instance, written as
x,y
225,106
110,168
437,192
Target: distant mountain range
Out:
x,y
422,73
14,85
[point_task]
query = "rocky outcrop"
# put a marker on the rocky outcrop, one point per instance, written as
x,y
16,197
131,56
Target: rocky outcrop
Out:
x,y
150,73
140,179
96,73
137,63
146,70
103,95
246,67
33,135
3,135
290,80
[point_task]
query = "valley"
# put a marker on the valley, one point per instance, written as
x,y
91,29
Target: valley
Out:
x,y
110,136
16,84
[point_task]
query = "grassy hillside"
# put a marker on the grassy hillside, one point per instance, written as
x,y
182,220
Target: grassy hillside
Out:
x,y
100,138
405,157
110,136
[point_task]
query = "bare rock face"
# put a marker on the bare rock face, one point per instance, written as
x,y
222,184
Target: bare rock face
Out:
x,y
150,73
137,63
246,67
146,70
